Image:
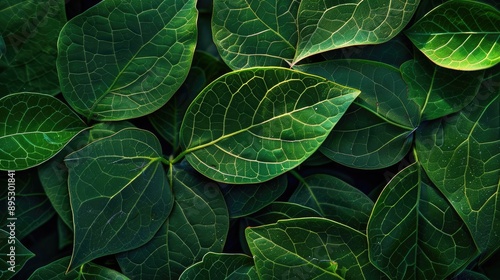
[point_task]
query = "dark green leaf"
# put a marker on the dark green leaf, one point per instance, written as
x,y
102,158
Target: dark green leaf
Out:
x,y
280,211
2,49
471,275
64,233
14,255
414,233
459,34
222,266
33,128
119,194
252,125
30,29
125,59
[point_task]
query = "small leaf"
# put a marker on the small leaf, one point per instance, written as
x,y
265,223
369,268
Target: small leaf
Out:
x,y
221,266
198,224
252,125
119,194
125,59
452,36
334,199
33,128
14,255
57,270
306,247
471,275
279,210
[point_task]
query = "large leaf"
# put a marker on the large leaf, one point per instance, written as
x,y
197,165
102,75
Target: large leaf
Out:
x,y
334,199
411,227
377,131
33,128
30,29
125,59
439,91
119,194
310,248
12,260
459,34
198,224
57,270
222,266
252,125
279,33
461,155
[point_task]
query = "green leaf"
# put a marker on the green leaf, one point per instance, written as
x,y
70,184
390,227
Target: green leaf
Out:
x,y
461,155
279,210
414,233
125,59
377,131
3,49
252,125
308,248
30,30
119,194
334,199
439,91
64,233
57,270
247,199
53,173
471,275
198,224
14,255
33,128
221,266
452,35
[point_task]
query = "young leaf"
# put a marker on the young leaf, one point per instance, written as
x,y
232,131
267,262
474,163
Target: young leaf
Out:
x,y
461,155
459,34
222,266
125,59
33,128
12,261
252,125
334,199
57,270
306,248
377,131
119,194
198,224
411,225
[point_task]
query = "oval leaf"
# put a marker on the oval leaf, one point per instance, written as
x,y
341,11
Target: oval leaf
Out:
x,y
119,194
33,128
125,59
252,125
452,35
222,266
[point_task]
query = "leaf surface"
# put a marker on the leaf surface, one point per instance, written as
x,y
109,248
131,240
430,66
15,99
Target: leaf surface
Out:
x,y
221,266
21,254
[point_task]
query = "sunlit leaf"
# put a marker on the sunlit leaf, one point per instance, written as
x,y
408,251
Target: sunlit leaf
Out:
x,y
12,261
222,266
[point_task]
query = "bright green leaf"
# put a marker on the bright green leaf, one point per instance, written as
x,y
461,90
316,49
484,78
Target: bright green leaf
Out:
x,y
119,194
33,128
306,248
30,29
222,266
414,233
459,34
125,59
334,199
12,261
252,125
198,224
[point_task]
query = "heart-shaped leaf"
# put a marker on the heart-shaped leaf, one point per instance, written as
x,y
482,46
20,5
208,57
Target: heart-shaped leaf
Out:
x,y
12,261
411,225
252,125
198,224
119,194
222,266
125,59
33,128
459,34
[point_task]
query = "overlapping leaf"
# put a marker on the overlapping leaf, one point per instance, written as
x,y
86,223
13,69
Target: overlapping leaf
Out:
x,y
125,59
459,34
33,128
252,125
411,225
377,131
221,266
198,224
12,262
119,194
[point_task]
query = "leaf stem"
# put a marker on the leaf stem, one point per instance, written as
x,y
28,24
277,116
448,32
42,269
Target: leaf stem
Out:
x,y
298,176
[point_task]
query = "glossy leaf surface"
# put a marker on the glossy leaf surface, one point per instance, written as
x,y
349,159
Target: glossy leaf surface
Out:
x,y
12,260
125,59
252,125
222,266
